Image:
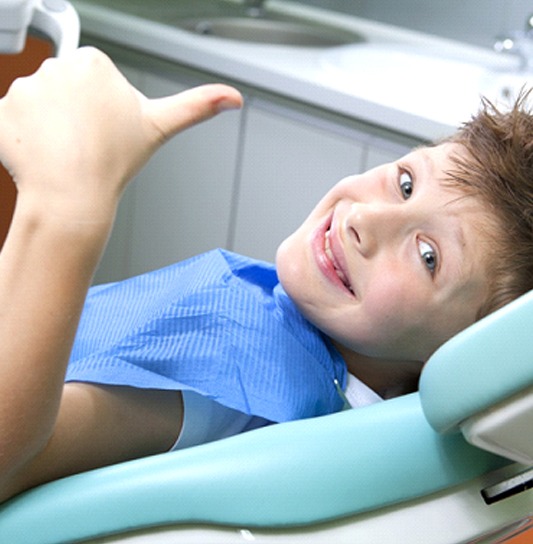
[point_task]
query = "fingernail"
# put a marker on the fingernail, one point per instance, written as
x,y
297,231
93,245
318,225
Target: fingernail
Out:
x,y
226,104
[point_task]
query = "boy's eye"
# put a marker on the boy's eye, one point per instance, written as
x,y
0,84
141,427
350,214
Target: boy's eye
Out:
x,y
406,185
428,255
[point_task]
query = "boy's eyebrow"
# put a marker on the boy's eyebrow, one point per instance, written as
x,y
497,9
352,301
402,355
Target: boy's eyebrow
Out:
x,y
456,233
457,267
425,166
429,166
460,236
452,254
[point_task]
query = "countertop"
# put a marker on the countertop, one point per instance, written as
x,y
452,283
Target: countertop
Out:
x,y
404,81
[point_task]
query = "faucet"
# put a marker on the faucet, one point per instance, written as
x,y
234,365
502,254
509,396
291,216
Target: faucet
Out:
x,y
254,8
519,43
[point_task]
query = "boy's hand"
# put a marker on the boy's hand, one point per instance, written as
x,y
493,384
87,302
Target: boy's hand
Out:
x,y
74,133
71,135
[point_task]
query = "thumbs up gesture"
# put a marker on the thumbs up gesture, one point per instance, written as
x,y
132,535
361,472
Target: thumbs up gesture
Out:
x,y
76,130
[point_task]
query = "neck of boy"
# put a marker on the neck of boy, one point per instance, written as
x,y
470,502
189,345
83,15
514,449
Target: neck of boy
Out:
x,y
388,378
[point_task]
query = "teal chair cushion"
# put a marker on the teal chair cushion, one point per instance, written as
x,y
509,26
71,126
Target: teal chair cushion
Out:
x,y
290,474
480,367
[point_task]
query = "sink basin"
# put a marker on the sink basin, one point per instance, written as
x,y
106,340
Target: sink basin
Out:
x,y
231,20
270,31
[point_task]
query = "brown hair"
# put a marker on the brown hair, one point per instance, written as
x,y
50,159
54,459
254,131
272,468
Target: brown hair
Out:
x,y
498,168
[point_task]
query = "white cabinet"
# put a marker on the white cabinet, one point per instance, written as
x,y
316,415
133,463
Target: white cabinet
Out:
x,y
289,162
381,151
179,205
183,197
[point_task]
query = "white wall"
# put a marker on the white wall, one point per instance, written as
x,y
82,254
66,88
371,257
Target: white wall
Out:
x,y
473,21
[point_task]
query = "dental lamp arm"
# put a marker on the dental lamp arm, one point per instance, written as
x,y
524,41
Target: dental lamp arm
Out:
x,y
56,19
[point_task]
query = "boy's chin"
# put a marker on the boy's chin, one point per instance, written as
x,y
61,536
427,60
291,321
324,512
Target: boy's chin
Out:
x,y
288,266
283,254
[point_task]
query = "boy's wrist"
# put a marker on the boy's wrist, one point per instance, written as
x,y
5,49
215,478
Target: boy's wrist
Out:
x,y
80,226
83,213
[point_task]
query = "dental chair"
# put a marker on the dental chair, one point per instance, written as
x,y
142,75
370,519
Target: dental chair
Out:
x,y
452,463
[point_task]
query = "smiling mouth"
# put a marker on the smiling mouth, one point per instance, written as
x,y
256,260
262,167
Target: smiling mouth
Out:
x,y
331,257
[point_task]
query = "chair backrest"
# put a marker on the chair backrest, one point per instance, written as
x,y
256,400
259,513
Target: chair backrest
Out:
x,y
481,383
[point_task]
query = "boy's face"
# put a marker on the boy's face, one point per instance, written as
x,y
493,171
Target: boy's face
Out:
x,y
391,263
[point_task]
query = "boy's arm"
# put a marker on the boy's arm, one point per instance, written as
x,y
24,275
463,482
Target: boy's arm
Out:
x,y
71,136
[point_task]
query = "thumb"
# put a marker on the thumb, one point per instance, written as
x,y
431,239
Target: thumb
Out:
x,y
172,114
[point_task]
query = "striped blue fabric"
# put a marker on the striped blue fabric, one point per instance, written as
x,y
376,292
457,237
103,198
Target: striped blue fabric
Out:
x,y
219,324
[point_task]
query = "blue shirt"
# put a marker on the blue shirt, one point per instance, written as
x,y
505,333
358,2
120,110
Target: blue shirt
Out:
x,y
219,324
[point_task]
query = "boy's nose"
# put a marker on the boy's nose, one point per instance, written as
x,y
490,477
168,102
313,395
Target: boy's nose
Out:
x,y
375,225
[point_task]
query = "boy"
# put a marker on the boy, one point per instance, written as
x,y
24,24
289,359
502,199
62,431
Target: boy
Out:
x,y
387,267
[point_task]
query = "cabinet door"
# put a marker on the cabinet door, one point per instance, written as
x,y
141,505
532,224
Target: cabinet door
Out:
x,y
289,162
183,196
179,204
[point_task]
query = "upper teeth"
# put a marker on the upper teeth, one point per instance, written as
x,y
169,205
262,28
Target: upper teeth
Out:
x,y
327,249
329,253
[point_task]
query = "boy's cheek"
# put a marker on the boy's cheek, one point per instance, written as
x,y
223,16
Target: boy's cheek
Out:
x,y
390,306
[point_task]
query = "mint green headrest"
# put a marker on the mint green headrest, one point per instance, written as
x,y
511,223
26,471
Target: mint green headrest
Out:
x,y
480,367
